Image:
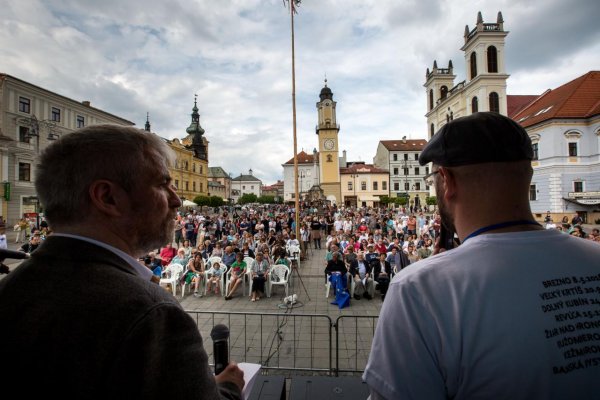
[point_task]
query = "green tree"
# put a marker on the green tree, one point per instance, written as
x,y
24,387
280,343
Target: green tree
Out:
x,y
431,200
401,201
216,201
385,200
266,199
248,198
202,200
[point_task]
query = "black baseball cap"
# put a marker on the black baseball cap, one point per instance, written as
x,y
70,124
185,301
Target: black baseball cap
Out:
x,y
478,138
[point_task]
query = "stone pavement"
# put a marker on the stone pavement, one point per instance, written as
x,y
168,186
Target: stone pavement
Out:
x,y
301,337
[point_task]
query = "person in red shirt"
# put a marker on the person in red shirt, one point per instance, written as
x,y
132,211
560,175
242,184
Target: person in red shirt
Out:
x,y
167,253
380,247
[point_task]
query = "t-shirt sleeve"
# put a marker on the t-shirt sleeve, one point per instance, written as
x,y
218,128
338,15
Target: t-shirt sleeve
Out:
x,y
404,363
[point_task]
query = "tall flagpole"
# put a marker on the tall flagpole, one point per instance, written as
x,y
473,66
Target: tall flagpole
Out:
x,y
297,194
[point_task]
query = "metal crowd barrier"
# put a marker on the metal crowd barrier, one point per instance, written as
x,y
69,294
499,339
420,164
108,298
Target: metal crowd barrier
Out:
x,y
293,342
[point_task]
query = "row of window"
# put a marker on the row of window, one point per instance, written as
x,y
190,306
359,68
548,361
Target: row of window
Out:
x,y
25,176
573,150
186,166
577,187
186,186
406,171
55,112
493,101
492,66
395,157
363,185
492,61
416,186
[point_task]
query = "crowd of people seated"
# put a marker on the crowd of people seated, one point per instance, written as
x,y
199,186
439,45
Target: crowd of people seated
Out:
x,y
368,245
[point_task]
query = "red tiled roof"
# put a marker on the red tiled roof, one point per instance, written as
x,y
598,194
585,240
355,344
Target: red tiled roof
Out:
x,y
404,145
303,158
516,102
363,169
579,98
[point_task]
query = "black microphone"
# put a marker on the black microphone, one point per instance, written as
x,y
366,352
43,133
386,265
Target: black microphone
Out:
x,y
17,255
220,337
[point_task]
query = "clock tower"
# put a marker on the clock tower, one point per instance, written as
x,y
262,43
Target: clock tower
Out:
x,y
327,130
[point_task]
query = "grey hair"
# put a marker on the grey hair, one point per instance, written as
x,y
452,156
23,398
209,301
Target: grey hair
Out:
x,y
70,165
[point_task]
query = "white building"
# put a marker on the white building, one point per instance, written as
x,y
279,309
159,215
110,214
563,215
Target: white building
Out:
x,y
485,86
244,184
308,175
564,126
32,117
401,159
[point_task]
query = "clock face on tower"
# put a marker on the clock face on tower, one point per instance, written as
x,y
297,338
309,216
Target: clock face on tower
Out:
x,y
329,144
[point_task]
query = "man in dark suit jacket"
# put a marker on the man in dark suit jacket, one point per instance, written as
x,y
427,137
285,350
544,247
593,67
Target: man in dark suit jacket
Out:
x,y
360,270
81,318
382,273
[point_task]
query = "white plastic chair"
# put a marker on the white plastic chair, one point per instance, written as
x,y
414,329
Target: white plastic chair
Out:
x,y
171,276
248,275
223,279
294,254
221,282
279,275
201,289
211,260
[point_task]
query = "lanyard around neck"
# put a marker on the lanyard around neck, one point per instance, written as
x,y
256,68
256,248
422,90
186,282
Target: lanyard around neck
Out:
x,y
500,226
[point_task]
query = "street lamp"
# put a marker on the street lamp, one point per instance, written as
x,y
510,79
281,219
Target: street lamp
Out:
x,y
301,175
354,176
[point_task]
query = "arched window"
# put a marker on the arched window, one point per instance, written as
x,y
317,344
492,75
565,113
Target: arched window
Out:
x,y
474,105
473,65
494,102
443,92
431,99
432,130
492,59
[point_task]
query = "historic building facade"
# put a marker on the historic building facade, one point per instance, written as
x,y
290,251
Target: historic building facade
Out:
x,y
485,86
245,184
217,175
401,159
564,126
190,171
308,175
31,117
328,130
363,184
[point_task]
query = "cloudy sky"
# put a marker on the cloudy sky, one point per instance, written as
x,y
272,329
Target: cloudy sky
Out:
x,y
130,57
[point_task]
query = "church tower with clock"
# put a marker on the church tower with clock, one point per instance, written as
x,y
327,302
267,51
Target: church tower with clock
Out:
x,y
327,130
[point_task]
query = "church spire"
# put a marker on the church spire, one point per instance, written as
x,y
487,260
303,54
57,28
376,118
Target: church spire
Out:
x,y
147,126
196,130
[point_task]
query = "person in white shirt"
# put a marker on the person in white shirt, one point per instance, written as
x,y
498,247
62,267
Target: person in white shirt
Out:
x,y
509,314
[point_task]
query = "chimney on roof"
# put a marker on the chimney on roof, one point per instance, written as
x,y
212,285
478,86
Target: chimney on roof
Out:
x,y
403,139
86,103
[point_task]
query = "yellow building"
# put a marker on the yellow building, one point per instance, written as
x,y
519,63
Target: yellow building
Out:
x,y
190,172
363,185
327,130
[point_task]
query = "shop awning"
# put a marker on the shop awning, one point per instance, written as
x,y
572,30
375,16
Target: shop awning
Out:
x,y
584,202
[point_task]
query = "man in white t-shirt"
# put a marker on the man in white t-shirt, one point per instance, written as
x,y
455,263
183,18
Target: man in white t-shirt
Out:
x,y
514,312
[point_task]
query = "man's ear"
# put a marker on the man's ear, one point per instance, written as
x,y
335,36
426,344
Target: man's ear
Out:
x,y
449,188
108,198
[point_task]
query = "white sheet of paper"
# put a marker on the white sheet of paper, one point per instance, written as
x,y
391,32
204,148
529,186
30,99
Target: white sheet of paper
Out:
x,y
250,374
